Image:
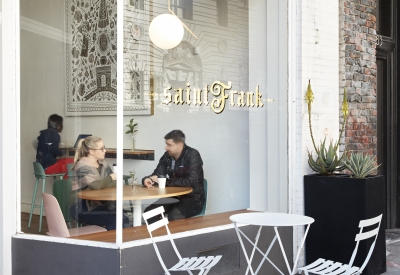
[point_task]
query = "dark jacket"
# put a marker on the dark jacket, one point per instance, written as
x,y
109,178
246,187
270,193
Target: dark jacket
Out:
x,y
188,172
47,149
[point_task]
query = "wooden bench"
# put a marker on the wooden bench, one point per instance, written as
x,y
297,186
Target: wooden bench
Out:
x,y
140,232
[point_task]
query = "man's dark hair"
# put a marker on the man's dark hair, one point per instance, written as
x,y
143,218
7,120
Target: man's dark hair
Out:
x,y
55,122
176,136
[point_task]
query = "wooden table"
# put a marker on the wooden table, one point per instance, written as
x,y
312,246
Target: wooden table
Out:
x,y
128,153
142,193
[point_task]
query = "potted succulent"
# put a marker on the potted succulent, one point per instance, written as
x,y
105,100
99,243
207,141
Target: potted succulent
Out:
x,y
338,201
132,131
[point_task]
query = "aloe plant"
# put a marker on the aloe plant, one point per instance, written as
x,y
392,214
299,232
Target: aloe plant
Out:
x,y
361,165
327,161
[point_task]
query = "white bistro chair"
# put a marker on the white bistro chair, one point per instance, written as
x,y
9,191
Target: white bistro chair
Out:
x,y
326,267
204,264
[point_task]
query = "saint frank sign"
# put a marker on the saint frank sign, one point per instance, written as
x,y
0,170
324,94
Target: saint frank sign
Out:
x,y
222,93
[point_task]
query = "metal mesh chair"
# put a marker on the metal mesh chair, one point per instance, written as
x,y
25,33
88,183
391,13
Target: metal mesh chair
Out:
x,y
204,264
326,267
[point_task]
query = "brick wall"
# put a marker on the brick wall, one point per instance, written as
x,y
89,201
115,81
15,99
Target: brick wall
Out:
x,y
358,73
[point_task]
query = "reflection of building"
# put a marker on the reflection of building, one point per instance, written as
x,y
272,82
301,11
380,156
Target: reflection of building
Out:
x,y
222,12
223,41
183,8
181,67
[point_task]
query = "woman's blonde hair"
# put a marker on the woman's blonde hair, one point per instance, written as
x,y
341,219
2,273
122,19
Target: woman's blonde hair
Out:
x,y
84,145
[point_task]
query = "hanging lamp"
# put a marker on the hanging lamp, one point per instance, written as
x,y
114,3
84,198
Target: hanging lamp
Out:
x,y
166,30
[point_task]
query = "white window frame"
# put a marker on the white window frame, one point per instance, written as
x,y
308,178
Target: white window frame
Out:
x,y
10,138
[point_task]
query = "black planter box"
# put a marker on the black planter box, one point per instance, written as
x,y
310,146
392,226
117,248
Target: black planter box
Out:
x,y
338,203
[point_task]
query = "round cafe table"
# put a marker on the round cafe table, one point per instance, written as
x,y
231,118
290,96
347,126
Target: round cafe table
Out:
x,y
129,193
274,220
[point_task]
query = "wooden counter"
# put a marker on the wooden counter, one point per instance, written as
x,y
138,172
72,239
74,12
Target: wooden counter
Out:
x,y
128,153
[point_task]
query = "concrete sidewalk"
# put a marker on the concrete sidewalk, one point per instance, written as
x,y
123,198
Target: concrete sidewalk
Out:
x,y
393,252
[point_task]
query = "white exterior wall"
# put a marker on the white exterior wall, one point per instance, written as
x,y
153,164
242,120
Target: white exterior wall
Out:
x,y
317,51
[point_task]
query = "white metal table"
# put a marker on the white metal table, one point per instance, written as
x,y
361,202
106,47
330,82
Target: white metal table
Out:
x,y
269,219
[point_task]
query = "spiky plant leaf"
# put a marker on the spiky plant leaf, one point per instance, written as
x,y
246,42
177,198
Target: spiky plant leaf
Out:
x,y
361,165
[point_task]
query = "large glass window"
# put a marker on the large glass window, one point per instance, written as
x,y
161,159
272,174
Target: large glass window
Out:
x,y
226,91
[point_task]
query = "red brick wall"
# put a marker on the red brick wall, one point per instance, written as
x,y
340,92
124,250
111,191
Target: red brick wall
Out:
x,y
358,73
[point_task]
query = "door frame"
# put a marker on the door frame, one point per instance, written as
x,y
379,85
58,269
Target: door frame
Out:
x,y
387,50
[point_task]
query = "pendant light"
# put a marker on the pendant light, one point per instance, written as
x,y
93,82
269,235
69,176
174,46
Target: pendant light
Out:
x,y
166,30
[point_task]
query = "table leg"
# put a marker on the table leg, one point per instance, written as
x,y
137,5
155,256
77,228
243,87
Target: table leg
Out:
x,y
265,255
299,250
283,250
254,248
244,249
137,213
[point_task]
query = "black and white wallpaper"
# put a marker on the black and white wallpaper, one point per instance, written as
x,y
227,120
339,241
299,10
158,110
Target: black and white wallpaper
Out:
x,y
220,54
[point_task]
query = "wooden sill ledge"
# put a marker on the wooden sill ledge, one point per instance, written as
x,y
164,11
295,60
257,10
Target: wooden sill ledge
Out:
x,y
140,232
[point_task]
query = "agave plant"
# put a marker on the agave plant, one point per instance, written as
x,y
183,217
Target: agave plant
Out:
x,y
327,162
361,165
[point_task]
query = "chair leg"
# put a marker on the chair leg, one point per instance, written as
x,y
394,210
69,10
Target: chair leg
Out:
x,y
33,202
41,204
131,204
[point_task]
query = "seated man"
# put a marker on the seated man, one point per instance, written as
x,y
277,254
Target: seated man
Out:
x,y
183,167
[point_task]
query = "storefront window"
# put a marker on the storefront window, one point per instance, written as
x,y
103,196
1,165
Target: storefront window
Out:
x,y
68,93
221,97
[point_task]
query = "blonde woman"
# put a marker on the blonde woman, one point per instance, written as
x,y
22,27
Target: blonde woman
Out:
x,y
93,172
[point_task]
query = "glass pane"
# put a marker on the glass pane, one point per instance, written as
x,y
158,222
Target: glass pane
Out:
x,y
227,93
68,106
384,18
208,116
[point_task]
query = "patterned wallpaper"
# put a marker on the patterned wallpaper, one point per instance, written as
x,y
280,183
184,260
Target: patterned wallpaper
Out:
x,y
221,52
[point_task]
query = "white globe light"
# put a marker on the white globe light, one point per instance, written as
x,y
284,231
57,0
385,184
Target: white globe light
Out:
x,y
166,31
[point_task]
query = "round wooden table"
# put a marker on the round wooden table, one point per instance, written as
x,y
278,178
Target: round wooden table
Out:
x,y
142,193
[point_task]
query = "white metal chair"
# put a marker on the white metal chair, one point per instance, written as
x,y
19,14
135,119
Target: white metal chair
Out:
x,y
326,267
204,264
56,224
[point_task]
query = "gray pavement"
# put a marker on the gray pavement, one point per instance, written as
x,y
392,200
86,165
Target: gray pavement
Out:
x,y
393,252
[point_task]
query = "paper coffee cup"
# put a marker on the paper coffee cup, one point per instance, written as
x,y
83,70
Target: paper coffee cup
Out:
x,y
162,182
114,168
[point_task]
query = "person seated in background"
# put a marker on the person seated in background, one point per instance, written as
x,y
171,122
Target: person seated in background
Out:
x,y
48,151
183,167
91,171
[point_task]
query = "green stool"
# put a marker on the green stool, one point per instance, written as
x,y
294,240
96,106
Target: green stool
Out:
x,y
70,172
40,175
203,211
62,191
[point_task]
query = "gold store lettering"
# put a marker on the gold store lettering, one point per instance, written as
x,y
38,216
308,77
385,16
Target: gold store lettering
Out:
x,y
220,92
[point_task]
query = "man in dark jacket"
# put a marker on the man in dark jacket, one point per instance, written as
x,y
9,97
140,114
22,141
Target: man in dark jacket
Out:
x,y
183,167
